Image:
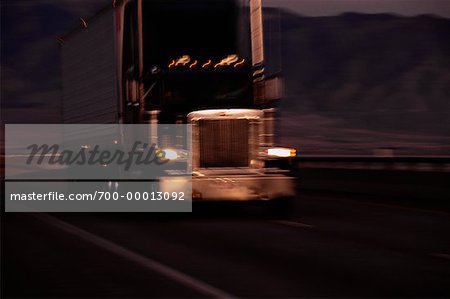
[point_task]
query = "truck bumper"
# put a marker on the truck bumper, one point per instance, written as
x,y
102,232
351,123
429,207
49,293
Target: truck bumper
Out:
x,y
234,184
242,188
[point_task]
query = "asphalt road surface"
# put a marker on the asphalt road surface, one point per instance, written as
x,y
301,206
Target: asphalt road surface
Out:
x,y
333,246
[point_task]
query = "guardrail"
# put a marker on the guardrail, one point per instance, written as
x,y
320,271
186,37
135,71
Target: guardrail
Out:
x,y
426,164
423,180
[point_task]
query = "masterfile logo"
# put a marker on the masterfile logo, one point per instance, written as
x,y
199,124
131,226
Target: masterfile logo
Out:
x,y
146,155
101,152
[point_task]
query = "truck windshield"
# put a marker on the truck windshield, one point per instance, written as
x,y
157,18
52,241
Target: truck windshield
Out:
x,y
200,32
203,29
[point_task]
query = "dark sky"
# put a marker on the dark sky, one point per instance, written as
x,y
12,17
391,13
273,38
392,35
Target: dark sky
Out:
x,y
333,7
30,91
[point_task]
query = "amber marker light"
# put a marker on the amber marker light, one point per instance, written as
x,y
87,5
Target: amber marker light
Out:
x,y
183,60
229,60
172,64
258,72
208,63
240,63
194,64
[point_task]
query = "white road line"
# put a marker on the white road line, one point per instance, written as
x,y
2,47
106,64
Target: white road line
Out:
x,y
141,260
442,255
293,223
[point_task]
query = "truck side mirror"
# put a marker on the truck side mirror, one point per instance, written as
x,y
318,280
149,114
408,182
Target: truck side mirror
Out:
x,y
268,90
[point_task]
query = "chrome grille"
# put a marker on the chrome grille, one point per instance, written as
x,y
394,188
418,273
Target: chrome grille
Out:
x,y
224,143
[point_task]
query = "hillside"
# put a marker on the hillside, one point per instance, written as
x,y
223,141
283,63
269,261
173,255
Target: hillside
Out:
x,y
355,82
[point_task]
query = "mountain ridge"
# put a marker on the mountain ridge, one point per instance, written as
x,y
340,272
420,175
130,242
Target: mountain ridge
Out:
x,y
382,74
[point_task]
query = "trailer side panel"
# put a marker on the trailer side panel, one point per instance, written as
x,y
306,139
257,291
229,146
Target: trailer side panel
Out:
x,y
89,73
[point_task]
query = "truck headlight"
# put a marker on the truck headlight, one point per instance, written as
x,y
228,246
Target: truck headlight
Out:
x,y
282,152
176,154
170,154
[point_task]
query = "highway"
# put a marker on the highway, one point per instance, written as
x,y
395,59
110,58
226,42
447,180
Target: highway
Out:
x,y
333,246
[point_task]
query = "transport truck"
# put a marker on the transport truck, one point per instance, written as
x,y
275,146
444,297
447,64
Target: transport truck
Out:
x,y
198,62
